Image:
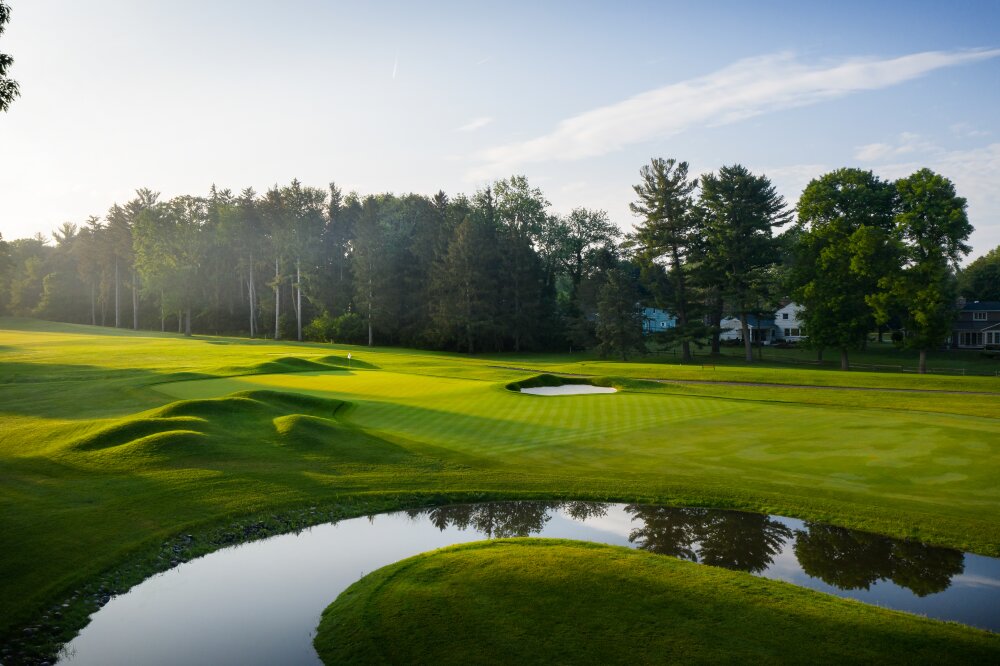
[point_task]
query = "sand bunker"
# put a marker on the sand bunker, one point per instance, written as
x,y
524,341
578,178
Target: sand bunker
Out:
x,y
568,389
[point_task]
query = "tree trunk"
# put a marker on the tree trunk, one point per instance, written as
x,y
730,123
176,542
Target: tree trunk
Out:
x,y
117,304
747,342
468,316
277,302
682,317
187,322
715,321
135,300
819,354
93,303
180,321
371,336
298,298
923,362
844,363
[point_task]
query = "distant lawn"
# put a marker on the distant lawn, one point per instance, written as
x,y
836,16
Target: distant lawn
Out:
x,y
546,601
113,442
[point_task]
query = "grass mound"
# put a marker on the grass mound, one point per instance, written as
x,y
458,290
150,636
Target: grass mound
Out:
x,y
353,363
235,426
546,379
313,433
133,429
282,365
556,601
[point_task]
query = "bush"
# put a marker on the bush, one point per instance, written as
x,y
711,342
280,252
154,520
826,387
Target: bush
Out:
x,y
347,328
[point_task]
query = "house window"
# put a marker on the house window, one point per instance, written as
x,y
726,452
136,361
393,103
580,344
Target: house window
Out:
x,y
795,332
784,315
663,324
788,332
971,339
979,316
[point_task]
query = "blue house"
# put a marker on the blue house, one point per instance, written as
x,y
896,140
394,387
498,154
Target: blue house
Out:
x,y
655,320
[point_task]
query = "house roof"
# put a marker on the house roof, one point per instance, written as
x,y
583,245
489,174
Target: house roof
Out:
x,y
980,306
974,325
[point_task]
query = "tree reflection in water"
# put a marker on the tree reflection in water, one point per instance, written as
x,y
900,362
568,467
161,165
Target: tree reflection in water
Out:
x,y
500,520
853,560
730,539
749,542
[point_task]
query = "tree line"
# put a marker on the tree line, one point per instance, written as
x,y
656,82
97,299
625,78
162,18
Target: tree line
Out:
x,y
499,271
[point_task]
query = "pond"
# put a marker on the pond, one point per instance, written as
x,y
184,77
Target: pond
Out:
x,y
568,389
259,603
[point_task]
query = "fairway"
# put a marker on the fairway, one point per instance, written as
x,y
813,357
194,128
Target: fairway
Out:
x,y
115,443
646,431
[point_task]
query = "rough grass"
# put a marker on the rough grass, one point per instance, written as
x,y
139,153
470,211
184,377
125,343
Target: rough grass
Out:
x,y
542,601
111,442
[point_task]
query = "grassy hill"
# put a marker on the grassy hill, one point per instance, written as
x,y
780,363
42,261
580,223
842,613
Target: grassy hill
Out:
x,y
113,443
547,601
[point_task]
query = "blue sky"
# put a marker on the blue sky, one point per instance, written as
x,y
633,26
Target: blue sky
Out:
x,y
578,96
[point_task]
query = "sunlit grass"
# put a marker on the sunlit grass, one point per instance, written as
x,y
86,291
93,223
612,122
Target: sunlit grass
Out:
x,y
112,441
553,601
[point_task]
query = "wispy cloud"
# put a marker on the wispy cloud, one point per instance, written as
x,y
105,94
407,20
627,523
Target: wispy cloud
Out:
x,y
967,131
475,124
908,143
746,88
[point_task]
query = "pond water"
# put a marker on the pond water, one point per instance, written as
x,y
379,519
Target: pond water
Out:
x,y
568,389
260,603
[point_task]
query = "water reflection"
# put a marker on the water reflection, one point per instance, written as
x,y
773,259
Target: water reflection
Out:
x,y
258,603
502,520
846,559
730,539
852,560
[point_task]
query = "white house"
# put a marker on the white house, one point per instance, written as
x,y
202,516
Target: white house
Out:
x,y
785,326
787,319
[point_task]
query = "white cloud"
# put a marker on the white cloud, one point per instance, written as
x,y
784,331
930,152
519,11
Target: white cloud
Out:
x,y
475,124
967,131
975,173
746,88
907,143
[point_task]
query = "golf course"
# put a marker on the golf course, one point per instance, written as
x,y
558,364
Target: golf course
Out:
x,y
124,453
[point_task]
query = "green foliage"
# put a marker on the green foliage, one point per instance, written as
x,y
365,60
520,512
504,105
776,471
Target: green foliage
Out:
x,y
846,245
980,280
9,88
737,247
619,316
667,234
531,601
933,226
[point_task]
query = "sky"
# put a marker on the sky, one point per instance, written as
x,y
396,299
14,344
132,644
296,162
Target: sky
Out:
x,y
419,97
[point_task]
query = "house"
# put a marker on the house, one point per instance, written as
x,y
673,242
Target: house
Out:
x,y
788,320
762,329
655,320
978,325
785,326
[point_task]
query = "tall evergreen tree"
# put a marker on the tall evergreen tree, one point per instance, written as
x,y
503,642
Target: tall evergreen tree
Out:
x,y
619,316
666,235
739,211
